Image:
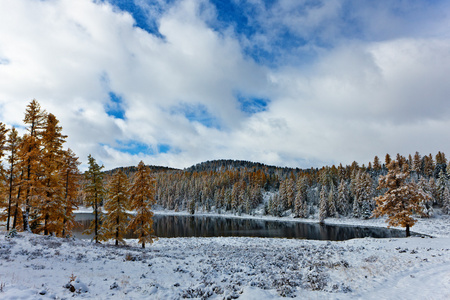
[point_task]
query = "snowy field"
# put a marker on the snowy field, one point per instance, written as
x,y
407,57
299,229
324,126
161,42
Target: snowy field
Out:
x,y
38,267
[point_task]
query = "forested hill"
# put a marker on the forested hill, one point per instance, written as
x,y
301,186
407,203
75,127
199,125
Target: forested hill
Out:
x,y
132,169
216,166
229,164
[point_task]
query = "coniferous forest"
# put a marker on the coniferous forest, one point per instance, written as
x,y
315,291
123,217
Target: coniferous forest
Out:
x,y
41,186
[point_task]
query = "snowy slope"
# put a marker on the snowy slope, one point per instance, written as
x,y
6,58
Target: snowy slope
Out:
x,y
37,267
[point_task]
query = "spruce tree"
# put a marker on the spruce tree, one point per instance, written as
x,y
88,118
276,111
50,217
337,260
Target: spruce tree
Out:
x,y
323,205
95,192
332,212
446,201
116,206
343,199
300,205
142,196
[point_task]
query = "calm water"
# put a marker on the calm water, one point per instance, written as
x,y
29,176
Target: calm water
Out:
x,y
205,226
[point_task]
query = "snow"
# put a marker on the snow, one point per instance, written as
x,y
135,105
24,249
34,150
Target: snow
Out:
x,y
42,267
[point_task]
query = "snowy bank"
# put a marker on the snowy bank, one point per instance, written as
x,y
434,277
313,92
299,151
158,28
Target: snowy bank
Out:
x,y
38,267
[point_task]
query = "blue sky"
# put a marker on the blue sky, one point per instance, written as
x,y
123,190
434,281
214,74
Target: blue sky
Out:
x,y
176,82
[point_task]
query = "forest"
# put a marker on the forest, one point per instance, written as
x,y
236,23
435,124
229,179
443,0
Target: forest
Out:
x,y
41,186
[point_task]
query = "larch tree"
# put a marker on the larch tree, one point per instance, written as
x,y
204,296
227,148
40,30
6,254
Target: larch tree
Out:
x,y
51,202
116,206
13,176
95,192
70,176
30,157
3,140
401,200
142,196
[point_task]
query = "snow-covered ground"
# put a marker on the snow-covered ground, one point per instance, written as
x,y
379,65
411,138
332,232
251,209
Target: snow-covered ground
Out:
x,y
38,267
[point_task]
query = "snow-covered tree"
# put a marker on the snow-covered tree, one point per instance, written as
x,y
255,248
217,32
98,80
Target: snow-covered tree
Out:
x,y
95,192
300,202
116,205
323,204
50,204
401,200
343,198
13,174
332,211
3,140
446,201
441,184
70,178
30,156
142,196
362,189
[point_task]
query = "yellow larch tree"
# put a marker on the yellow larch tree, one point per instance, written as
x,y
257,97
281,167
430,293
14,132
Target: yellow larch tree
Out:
x,y
13,175
142,196
70,175
51,203
30,157
401,200
3,140
116,206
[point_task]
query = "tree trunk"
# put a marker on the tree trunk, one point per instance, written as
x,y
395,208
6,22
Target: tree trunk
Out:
x,y
15,215
407,231
117,231
17,201
46,224
26,224
96,220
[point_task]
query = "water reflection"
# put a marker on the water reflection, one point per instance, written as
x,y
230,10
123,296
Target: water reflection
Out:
x,y
205,226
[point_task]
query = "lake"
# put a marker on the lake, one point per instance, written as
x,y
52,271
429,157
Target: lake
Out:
x,y
208,226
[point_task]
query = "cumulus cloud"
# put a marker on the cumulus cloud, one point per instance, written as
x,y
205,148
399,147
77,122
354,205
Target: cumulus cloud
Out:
x,y
301,86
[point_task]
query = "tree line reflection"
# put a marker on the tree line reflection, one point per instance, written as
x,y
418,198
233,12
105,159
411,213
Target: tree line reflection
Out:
x,y
206,226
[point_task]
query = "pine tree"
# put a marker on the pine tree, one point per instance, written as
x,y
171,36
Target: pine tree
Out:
x,y
142,196
117,203
95,192
401,200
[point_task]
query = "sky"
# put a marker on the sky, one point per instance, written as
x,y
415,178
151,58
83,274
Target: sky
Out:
x,y
297,83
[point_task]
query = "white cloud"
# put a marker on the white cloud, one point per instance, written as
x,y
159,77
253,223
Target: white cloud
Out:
x,y
356,99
